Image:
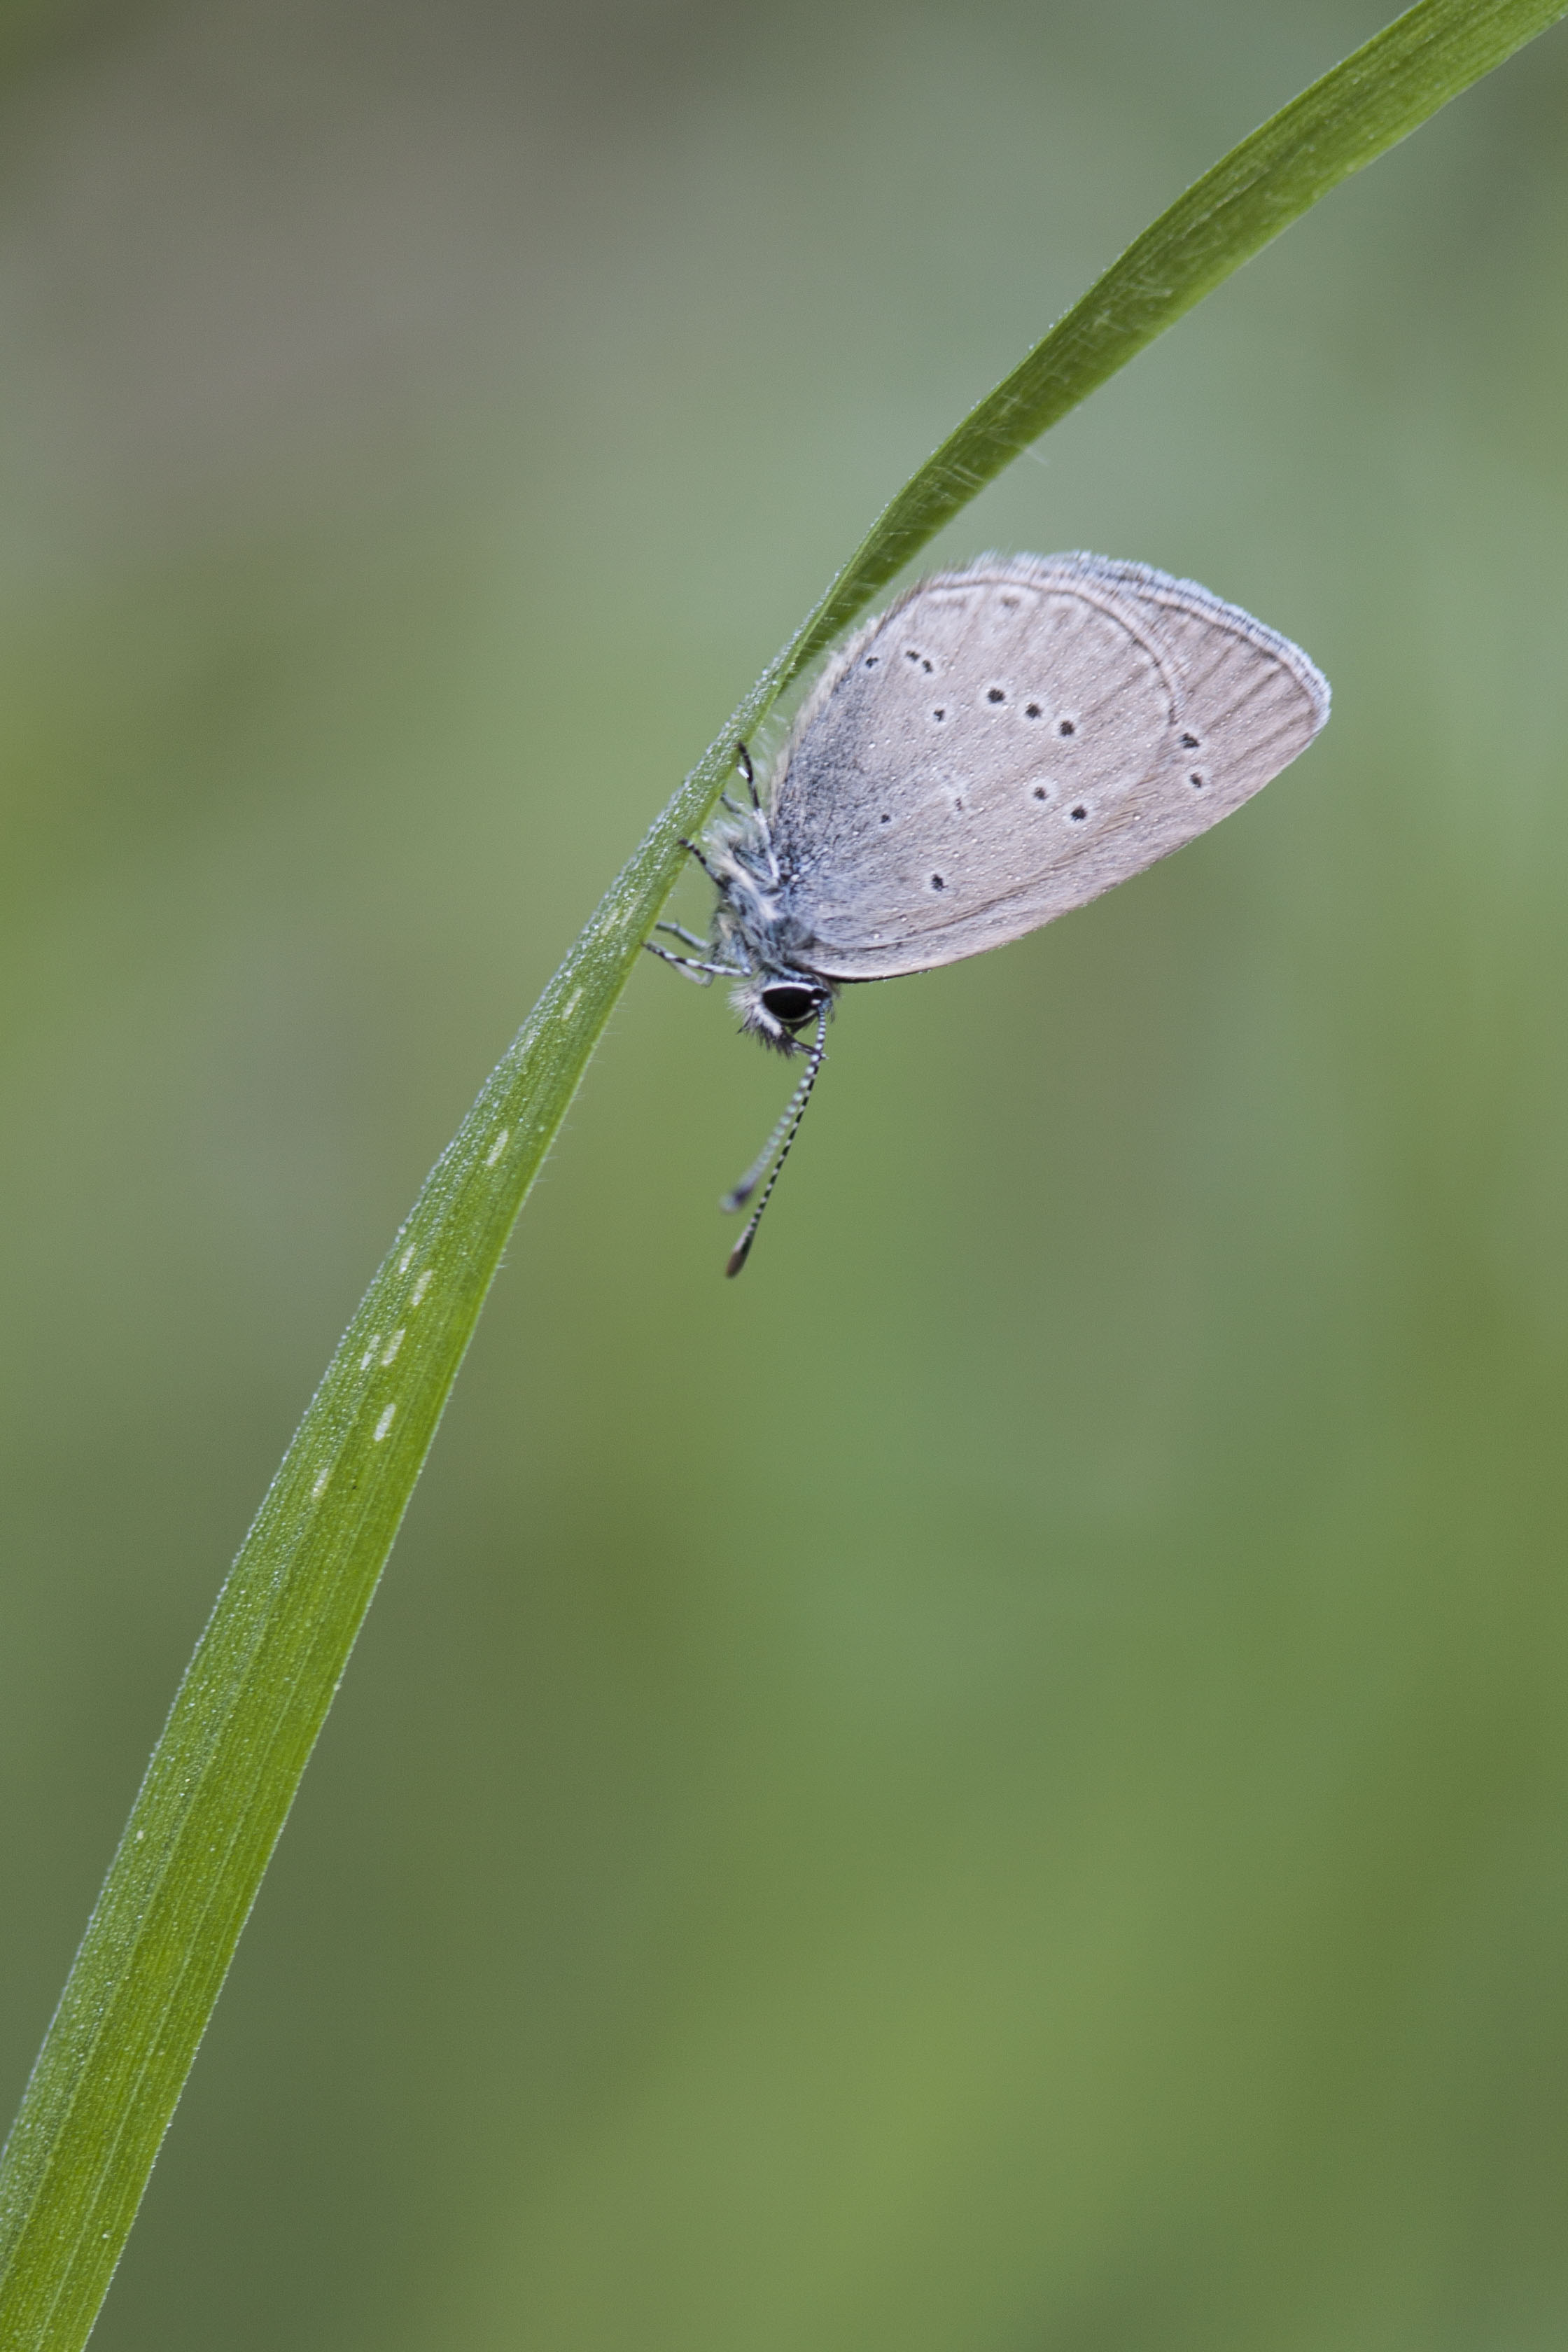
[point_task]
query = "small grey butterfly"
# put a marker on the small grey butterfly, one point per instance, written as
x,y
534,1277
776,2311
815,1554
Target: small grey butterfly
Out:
x,y
1000,746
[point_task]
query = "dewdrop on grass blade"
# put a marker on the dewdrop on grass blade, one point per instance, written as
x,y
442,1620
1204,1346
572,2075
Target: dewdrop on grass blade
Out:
x,y
999,747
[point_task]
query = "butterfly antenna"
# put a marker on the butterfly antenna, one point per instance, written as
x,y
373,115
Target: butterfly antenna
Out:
x,y
743,1191
781,1139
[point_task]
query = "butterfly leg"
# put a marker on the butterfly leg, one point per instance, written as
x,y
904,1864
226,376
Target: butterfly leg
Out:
x,y
692,850
691,937
700,973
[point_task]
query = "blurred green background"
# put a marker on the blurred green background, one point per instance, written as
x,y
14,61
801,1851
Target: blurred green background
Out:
x,y
1002,1785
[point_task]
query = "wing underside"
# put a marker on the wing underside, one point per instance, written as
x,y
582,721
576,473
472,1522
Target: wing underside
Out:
x,y
1011,741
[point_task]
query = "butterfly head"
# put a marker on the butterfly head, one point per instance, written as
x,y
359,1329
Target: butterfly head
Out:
x,y
777,1005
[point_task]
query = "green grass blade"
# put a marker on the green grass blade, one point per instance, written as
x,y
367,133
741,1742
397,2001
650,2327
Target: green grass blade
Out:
x,y
224,1774
1376,97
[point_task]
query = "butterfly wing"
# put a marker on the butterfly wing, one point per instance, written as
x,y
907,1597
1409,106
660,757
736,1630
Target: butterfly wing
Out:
x,y
1010,740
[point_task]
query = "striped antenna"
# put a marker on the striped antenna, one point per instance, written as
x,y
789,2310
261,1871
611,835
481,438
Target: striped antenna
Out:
x,y
779,1142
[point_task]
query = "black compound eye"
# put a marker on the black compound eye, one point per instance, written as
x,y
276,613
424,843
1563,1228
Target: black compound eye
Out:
x,y
791,1001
